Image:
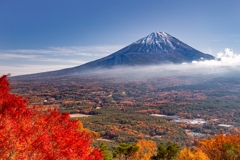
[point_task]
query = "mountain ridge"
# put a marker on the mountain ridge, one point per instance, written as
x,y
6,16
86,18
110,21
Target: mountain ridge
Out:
x,y
155,49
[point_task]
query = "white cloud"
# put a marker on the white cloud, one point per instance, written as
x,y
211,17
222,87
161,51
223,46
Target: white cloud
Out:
x,y
226,58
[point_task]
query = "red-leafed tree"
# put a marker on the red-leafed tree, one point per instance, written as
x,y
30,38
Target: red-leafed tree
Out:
x,y
34,134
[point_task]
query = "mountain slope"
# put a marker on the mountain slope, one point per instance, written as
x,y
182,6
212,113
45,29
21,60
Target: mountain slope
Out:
x,y
154,49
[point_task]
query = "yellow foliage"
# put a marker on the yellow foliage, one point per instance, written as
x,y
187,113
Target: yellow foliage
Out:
x,y
146,150
186,154
94,135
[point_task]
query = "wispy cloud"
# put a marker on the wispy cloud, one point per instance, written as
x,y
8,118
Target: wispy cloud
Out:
x,y
78,50
41,58
29,69
55,58
61,60
12,56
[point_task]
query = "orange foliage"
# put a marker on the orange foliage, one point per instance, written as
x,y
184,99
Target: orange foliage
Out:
x,y
221,147
146,150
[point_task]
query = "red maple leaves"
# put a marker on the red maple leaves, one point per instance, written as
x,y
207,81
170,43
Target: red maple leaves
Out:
x,y
32,134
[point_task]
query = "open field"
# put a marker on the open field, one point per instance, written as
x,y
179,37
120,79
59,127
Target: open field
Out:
x,y
78,115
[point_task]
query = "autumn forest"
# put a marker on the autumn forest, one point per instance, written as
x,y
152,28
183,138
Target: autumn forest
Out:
x,y
117,114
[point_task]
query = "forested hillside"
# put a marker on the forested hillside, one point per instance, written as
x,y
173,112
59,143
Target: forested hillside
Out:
x,y
121,110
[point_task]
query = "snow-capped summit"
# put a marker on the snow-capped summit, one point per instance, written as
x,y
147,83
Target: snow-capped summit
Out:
x,y
156,38
160,41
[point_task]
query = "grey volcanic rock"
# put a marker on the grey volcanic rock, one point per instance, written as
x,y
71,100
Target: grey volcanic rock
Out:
x,y
155,49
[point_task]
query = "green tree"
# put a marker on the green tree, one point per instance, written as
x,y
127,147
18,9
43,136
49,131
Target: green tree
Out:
x,y
125,151
232,151
166,153
104,149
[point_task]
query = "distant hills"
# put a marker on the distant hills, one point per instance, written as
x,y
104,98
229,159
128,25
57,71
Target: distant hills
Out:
x,y
155,49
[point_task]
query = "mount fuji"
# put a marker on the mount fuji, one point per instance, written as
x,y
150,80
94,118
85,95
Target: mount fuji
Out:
x,y
158,48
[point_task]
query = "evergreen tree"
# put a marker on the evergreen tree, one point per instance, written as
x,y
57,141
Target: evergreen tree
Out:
x,y
166,153
125,151
106,153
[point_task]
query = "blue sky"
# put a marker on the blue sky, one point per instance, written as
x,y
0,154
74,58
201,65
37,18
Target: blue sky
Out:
x,y
38,36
